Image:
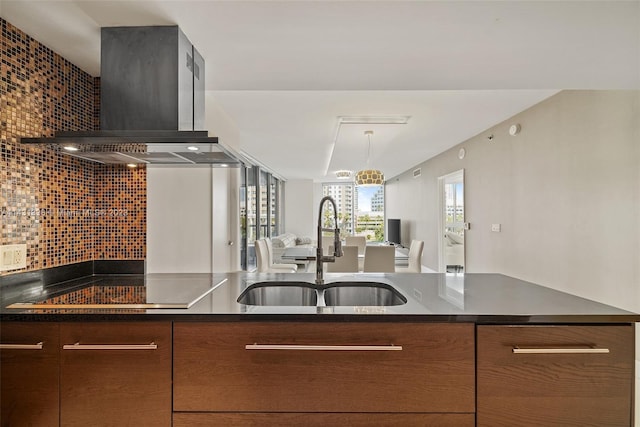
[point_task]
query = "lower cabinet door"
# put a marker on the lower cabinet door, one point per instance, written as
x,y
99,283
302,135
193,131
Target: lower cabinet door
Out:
x,y
115,374
322,420
29,355
555,376
324,367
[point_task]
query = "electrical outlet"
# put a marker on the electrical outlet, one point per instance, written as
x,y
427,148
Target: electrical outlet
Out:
x,y
13,257
496,228
20,256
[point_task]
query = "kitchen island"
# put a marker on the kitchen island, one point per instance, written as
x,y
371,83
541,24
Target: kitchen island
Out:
x,y
474,349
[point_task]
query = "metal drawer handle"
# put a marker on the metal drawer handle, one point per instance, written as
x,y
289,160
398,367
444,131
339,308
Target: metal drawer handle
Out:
x,y
21,346
78,346
323,347
571,350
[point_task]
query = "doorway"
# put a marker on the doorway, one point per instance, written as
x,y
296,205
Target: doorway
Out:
x,y
451,223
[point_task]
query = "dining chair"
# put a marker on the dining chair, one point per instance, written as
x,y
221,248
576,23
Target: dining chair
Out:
x,y
359,241
380,259
262,259
415,258
326,242
277,265
347,263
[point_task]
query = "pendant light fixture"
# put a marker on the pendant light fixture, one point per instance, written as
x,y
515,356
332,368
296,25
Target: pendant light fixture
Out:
x,y
369,176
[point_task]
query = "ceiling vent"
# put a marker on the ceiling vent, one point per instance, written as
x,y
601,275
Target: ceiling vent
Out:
x,y
417,172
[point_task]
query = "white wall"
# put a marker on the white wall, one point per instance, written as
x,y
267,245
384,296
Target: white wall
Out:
x,y
566,191
179,212
192,215
225,219
299,213
219,124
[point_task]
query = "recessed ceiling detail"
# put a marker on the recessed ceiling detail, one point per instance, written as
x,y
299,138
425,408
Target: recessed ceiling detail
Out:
x,y
348,150
376,120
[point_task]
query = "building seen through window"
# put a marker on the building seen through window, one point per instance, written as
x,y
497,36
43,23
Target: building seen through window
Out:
x,y
360,210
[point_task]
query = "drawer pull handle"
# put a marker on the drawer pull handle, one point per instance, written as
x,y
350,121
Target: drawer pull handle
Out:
x,y
21,346
568,350
78,346
323,347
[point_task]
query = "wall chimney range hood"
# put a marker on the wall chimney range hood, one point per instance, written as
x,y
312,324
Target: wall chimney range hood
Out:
x,y
151,104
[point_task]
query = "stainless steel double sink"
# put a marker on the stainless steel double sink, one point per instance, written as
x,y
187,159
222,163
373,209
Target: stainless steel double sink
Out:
x,y
350,293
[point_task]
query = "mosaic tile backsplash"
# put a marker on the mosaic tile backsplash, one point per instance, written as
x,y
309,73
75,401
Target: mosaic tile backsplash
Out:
x,y
102,295
99,295
65,209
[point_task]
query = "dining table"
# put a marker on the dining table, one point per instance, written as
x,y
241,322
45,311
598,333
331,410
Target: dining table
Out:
x,y
308,253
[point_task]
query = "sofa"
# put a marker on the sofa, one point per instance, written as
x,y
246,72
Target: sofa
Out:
x,y
288,240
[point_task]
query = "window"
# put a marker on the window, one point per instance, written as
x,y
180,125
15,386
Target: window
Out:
x,y
360,209
260,212
370,212
264,204
275,210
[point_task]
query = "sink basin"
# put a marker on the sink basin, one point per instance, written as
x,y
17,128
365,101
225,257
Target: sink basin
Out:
x,y
279,293
362,294
359,293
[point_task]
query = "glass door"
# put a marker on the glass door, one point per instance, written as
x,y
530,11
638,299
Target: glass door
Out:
x,y
452,238
251,217
260,211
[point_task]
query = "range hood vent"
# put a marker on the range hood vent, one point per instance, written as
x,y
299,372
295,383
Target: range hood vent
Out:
x,y
151,103
143,147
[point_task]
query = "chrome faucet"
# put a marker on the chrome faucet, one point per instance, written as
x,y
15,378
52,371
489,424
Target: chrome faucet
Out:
x,y
337,245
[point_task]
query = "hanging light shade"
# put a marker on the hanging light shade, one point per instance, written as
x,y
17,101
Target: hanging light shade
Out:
x,y
369,176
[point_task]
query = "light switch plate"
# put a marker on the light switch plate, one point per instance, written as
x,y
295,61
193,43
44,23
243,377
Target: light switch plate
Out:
x,y
496,228
6,259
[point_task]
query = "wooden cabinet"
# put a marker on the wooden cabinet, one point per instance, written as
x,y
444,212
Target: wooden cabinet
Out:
x,y
214,371
115,374
555,375
29,374
321,420
315,373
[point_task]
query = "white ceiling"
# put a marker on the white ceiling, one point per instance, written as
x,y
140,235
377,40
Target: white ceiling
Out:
x,y
281,73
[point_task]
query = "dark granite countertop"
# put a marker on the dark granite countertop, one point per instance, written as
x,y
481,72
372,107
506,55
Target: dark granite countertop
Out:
x,y
479,298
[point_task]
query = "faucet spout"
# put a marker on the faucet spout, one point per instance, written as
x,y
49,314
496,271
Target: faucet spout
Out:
x,y
337,244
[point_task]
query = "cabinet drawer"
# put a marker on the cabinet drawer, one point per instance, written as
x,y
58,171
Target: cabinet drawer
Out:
x,y
551,380
434,371
29,374
321,420
118,378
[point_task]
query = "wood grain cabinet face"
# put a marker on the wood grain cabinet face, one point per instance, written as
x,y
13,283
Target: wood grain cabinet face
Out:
x,y
321,420
547,388
29,374
434,371
123,382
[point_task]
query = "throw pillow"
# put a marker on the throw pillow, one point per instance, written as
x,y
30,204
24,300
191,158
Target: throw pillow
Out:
x,y
303,240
